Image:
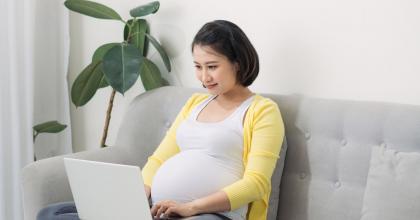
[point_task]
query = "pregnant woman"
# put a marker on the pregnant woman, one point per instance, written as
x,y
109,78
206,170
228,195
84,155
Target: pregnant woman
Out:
x,y
216,160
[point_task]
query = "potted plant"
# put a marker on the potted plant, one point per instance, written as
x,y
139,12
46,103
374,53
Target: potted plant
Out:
x,y
118,64
46,127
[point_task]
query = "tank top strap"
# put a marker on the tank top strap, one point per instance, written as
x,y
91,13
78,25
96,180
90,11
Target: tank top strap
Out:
x,y
237,115
240,111
200,106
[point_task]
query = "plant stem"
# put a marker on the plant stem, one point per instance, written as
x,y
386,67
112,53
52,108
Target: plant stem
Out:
x,y
138,32
130,28
108,118
34,134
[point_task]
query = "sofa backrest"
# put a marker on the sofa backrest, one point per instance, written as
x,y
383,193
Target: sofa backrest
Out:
x,y
329,150
148,118
328,147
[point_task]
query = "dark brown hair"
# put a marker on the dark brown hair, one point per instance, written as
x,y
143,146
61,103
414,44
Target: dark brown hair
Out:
x,y
229,40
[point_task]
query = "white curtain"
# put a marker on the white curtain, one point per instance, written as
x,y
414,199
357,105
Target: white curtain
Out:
x,y
33,67
51,54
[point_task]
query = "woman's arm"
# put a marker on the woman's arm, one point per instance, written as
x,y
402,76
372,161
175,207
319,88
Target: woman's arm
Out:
x,y
265,145
216,202
148,190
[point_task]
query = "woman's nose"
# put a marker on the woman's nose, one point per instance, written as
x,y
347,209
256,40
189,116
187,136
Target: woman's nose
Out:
x,y
205,76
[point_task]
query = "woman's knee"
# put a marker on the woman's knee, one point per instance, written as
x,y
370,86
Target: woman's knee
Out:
x,y
59,211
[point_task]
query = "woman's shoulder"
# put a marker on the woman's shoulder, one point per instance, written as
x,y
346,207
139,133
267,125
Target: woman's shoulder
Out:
x,y
265,109
261,102
194,100
198,95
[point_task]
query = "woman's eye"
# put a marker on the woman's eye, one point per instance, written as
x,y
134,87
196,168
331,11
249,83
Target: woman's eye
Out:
x,y
212,67
198,67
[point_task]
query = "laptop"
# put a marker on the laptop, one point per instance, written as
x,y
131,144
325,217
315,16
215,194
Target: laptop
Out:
x,y
107,191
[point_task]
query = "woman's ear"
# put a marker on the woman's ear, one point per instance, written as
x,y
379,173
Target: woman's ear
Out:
x,y
236,66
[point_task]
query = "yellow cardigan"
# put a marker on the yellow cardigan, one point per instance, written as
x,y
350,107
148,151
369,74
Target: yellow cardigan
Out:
x,y
263,137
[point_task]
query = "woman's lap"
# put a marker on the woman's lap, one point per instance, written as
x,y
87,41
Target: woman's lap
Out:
x,y
59,211
67,211
205,217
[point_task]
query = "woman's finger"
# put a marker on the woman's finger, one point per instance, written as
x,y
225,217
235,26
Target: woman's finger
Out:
x,y
157,205
161,210
153,210
170,211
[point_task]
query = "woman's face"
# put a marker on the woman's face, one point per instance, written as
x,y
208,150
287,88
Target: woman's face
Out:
x,y
214,70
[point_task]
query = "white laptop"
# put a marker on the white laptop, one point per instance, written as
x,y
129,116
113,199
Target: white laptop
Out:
x,y
106,191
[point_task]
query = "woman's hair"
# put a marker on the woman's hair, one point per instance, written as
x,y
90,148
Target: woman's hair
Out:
x,y
229,40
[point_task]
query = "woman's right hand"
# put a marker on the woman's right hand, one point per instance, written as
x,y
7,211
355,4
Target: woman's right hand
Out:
x,y
148,190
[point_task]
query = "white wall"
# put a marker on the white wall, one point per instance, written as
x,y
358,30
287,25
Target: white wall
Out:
x,y
359,49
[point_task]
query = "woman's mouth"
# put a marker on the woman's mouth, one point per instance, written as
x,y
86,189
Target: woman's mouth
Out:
x,y
211,86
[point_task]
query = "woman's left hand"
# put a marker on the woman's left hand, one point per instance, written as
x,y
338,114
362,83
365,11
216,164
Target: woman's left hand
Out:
x,y
171,208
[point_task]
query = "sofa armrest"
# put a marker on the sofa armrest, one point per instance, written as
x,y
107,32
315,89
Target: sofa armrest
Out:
x,y
45,181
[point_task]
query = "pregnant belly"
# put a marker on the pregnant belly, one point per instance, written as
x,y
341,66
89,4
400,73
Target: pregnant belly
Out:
x,y
190,175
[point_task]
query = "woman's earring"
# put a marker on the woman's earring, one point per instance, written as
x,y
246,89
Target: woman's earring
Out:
x,y
204,86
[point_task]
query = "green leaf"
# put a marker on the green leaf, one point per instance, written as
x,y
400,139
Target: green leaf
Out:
x,y
144,10
92,9
137,34
86,84
161,51
146,42
121,66
49,127
98,56
150,75
100,52
126,29
103,82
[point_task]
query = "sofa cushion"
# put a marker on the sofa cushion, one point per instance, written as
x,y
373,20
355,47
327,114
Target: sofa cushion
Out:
x,y
392,190
275,183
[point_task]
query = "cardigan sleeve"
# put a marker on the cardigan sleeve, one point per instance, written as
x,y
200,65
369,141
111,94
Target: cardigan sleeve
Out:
x,y
267,137
168,146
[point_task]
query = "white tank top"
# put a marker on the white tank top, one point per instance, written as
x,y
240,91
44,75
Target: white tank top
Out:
x,y
210,158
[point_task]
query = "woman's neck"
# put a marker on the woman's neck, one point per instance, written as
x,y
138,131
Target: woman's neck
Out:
x,y
234,96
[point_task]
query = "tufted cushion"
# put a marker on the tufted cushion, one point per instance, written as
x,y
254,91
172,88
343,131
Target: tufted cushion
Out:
x,y
328,156
393,186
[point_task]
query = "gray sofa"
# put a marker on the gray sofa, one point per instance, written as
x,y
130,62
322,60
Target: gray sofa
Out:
x,y
325,155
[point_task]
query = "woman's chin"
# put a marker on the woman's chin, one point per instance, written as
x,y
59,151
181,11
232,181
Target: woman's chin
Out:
x,y
213,90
